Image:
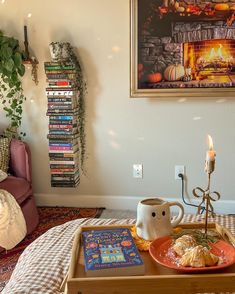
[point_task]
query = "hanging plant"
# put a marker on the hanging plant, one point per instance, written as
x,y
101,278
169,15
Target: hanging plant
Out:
x,y
11,91
62,52
34,71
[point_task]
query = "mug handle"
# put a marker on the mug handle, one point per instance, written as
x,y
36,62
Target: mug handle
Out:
x,y
180,215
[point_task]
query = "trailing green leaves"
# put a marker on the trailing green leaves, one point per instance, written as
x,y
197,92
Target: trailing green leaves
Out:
x,y
11,92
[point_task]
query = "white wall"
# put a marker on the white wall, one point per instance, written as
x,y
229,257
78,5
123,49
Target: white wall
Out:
x,y
159,133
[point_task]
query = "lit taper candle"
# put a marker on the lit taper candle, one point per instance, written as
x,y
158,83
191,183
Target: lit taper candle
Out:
x,y
210,157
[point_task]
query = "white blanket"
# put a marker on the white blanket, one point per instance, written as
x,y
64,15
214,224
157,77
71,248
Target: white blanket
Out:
x,y
12,222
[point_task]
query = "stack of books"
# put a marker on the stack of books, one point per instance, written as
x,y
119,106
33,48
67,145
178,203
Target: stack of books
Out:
x,y
63,111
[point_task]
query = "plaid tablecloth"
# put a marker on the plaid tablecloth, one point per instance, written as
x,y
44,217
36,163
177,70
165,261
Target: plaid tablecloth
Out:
x,y
44,263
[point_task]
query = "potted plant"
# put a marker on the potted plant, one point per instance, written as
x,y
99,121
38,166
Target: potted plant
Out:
x,y
11,91
60,51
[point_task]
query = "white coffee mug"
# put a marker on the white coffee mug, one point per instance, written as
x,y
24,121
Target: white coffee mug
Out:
x,y
154,218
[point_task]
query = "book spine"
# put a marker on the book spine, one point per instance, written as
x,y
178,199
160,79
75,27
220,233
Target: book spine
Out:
x,y
61,171
62,117
65,153
65,176
63,132
62,100
63,166
61,89
61,122
61,157
69,145
67,102
60,82
61,106
67,162
66,148
62,126
58,87
57,72
64,185
69,76
63,179
63,142
61,92
56,63
59,67
56,136
62,111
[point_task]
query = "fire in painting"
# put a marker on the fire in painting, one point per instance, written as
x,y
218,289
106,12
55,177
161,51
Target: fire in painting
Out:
x,y
182,47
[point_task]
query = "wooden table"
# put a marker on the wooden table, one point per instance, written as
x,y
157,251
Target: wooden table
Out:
x,y
157,278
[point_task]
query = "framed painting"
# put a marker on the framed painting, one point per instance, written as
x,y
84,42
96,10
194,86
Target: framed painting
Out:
x,y
182,48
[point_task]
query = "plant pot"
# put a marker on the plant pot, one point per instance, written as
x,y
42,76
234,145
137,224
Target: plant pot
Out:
x,y
59,51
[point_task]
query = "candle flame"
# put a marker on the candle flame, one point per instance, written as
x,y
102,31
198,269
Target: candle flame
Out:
x,y
210,142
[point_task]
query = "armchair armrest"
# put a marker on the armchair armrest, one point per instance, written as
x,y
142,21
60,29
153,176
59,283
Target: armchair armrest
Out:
x,y
20,160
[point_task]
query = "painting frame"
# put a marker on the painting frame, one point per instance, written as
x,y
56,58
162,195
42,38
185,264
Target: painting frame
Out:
x,y
136,92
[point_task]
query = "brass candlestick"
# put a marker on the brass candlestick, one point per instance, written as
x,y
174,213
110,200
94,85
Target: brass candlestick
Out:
x,y
206,195
26,44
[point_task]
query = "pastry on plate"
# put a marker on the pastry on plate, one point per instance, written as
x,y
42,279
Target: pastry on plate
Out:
x,y
183,244
199,256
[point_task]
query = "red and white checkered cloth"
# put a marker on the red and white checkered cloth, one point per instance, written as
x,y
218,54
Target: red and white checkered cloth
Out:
x,y
44,263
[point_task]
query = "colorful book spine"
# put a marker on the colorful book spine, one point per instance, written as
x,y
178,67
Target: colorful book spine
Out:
x,y
62,155
70,76
64,148
62,117
52,92
61,144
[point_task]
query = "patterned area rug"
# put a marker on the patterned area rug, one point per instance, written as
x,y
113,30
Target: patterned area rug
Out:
x,y
48,217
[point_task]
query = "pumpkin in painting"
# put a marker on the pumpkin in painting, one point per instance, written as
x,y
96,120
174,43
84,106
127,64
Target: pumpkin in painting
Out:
x,y
140,71
159,66
221,7
140,75
154,77
140,67
174,72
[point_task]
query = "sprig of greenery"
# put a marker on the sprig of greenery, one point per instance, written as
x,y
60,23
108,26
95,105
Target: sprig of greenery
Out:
x,y
199,236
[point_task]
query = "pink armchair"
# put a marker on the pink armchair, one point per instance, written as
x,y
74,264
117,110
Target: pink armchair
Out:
x,y
19,182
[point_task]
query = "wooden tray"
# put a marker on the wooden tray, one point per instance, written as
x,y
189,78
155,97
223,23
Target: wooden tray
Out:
x,y
157,278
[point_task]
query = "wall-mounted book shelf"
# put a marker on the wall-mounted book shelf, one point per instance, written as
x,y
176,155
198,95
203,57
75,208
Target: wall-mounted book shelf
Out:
x,y
63,110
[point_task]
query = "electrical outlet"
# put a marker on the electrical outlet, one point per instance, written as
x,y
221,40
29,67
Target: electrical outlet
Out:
x,y
138,171
179,169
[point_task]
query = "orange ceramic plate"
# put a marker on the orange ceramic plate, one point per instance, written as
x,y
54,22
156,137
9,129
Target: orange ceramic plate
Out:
x,y
162,252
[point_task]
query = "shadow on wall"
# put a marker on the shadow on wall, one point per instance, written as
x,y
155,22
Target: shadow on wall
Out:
x,y
90,74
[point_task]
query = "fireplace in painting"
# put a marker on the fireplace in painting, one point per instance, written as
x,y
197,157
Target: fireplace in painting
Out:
x,y
209,57
206,48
